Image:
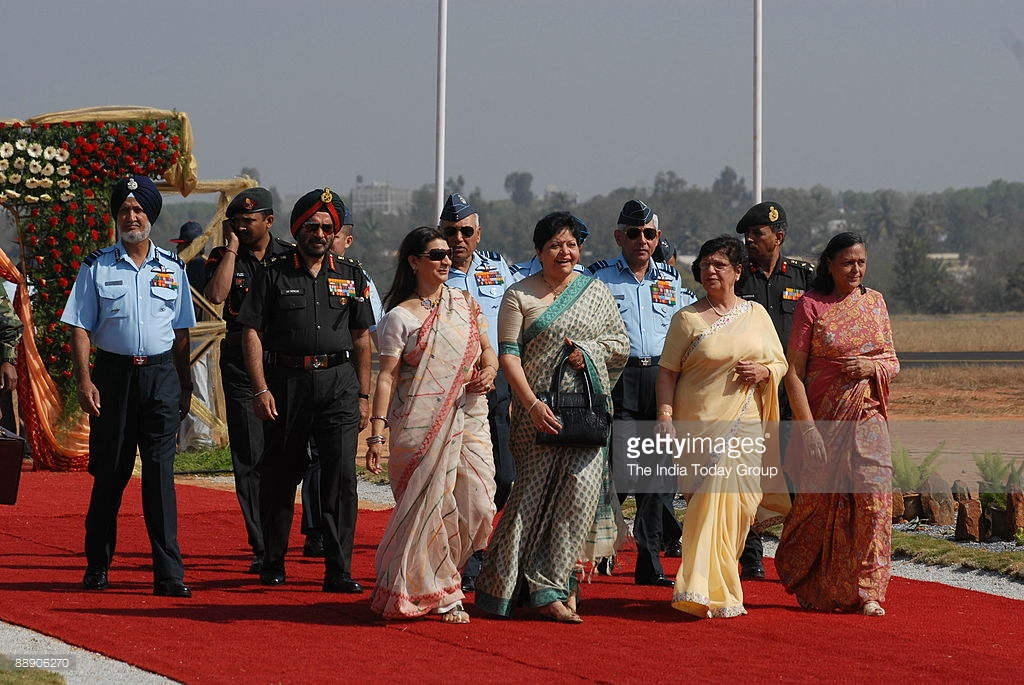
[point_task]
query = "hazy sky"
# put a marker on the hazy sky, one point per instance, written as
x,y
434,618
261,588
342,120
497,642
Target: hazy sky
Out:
x,y
586,95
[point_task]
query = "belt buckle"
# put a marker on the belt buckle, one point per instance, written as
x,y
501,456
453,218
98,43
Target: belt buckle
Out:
x,y
644,361
139,360
317,361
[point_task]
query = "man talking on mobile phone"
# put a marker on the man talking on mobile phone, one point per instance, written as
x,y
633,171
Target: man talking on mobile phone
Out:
x,y
230,271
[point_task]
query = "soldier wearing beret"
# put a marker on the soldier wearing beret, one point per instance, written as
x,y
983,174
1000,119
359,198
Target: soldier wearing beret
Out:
x,y
231,270
484,275
133,299
648,294
307,349
776,283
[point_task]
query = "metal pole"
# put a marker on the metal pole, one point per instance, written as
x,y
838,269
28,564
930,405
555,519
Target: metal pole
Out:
x,y
442,67
758,56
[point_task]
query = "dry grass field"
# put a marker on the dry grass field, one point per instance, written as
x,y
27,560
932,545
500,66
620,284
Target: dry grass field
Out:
x,y
1003,331
984,391
988,391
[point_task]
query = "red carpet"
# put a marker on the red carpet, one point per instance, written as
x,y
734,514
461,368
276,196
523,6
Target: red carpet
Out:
x,y
234,629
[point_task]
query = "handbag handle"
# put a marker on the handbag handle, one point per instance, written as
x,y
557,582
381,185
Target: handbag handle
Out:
x,y
556,380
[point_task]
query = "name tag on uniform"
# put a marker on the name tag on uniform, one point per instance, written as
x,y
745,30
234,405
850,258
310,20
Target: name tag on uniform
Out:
x,y
113,283
663,292
341,287
164,279
792,294
487,276
240,279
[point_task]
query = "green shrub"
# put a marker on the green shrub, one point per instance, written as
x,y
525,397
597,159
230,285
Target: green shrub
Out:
x,y
994,469
908,475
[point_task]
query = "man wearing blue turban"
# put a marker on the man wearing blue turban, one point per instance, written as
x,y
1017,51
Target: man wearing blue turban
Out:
x,y
132,299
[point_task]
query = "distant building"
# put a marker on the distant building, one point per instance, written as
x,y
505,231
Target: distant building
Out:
x,y
381,198
958,267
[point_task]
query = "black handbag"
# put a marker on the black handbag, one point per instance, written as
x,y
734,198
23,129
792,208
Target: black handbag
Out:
x,y
585,418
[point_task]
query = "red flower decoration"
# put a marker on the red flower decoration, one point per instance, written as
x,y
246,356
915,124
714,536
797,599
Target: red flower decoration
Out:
x,y
76,250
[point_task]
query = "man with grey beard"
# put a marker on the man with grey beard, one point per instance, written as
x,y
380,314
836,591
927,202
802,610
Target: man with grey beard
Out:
x,y
133,300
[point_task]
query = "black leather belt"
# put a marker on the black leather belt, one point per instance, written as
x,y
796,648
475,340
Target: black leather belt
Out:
x,y
643,361
134,360
309,361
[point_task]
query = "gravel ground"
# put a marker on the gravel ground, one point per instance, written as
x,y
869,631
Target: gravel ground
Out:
x,y
89,667
946,533
968,579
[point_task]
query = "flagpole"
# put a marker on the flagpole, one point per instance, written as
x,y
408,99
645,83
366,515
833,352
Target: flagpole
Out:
x,y
758,61
442,67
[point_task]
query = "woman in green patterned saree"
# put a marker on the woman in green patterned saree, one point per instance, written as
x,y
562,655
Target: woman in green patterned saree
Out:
x,y
555,502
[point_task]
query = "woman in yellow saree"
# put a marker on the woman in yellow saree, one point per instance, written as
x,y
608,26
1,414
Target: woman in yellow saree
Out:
x,y
436,359
718,387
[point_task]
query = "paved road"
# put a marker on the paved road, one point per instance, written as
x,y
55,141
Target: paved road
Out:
x,y
938,358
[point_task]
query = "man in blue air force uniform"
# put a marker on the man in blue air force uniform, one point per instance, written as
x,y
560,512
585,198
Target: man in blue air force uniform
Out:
x,y
486,276
133,299
648,294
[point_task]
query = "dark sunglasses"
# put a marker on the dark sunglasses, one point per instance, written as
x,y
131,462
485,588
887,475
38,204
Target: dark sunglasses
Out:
x,y
633,232
466,231
436,255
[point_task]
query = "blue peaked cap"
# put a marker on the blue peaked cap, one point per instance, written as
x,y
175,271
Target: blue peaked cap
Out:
x,y
635,213
456,208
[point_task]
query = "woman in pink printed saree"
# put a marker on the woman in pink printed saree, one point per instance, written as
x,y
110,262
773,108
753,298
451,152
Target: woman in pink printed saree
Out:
x,y
835,548
436,357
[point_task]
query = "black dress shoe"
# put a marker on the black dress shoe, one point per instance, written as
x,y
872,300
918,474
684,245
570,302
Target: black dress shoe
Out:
x,y
674,549
752,572
272,576
257,564
171,588
660,581
339,584
314,547
468,584
95,579
606,566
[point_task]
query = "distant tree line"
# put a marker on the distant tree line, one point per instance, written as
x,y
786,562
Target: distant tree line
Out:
x,y
983,226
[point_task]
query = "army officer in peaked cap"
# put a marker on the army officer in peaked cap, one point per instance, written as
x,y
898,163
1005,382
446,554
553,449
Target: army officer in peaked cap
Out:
x,y
307,349
133,300
231,269
776,283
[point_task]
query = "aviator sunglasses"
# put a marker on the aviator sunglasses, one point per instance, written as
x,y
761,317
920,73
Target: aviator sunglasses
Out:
x,y
437,254
633,232
466,231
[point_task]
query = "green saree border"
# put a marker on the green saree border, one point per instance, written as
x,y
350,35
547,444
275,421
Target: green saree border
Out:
x,y
558,307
